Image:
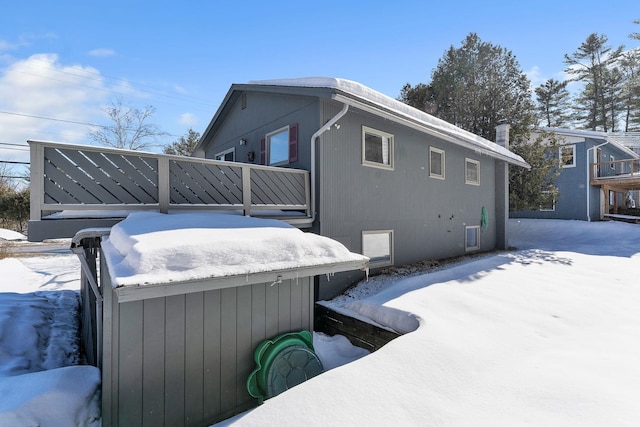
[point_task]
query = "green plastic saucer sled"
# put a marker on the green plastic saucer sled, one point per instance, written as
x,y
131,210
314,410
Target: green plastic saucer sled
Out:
x,y
282,363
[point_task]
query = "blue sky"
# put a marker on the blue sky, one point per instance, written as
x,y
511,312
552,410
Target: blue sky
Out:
x,y
65,60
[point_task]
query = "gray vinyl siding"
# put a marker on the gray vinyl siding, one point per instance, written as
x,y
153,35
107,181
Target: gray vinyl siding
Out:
x,y
184,359
266,113
427,215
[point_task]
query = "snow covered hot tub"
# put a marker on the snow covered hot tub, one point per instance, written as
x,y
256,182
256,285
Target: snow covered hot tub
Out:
x,y
188,297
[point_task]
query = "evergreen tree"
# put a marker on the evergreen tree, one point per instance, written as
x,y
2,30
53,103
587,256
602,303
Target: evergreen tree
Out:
x,y
630,67
479,84
185,145
553,103
531,189
420,96
589,64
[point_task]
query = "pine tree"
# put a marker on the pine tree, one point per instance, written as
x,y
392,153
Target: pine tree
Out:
x,y
553,103
630,67
479,84
530,189
589,64
185,145
420,96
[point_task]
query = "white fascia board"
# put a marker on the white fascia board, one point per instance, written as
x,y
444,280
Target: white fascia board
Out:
x,y
426,129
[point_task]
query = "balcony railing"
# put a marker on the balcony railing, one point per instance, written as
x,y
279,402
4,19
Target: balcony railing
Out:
x,y
623,170
77,179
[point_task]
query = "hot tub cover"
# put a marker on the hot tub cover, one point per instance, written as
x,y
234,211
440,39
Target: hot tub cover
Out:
x,y
152,248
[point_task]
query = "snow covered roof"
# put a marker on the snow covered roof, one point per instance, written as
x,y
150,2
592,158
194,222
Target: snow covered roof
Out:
x,y
619,140
153,248
354,91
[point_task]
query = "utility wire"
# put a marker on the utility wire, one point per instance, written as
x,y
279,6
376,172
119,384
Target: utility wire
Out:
x,y
14,162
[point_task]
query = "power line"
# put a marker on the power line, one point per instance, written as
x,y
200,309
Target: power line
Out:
x,y
67,121
10,143
14,162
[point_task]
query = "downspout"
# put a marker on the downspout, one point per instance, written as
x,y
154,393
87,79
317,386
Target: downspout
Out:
x,y
588,182
314,137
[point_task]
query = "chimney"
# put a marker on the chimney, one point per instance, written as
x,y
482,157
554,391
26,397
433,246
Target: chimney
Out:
x,y
502,134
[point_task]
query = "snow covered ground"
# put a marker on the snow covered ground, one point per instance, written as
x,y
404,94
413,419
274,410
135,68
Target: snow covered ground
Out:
x,y
545,335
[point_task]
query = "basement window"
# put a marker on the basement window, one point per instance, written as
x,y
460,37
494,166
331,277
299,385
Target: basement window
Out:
x,y
377,148
550,204
378,246
472,238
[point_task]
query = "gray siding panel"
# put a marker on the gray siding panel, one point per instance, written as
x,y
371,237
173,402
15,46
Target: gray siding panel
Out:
x,y
428,215
130,373
212,349
153,361
185,359
194,359
174,371
228,376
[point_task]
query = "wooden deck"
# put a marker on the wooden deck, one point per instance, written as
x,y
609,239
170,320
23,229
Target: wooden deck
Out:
x,y
75,187
616,179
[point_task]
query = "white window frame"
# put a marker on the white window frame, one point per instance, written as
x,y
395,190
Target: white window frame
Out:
x,y
468,228
389,137
220,155
611,164
553,206
468,161
382,262
442,163
267,147
573,156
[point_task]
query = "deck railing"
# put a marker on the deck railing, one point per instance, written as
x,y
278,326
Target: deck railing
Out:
x,y
66,177
629,168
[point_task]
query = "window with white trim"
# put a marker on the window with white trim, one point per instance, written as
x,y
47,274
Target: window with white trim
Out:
x,y
436,163
568,156
472,238
550,205
377,148
227,155
378,246
612,165
471,172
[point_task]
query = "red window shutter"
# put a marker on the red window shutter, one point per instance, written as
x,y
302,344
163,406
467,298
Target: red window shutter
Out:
x,y
293,143
263,151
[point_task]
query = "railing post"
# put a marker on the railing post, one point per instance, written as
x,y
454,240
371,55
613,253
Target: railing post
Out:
x,y
36,152
163,184
246,191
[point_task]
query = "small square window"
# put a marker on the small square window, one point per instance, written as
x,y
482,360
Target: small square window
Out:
x,y
471,172
472,238
278,146
549,205
436,163
377,148
378,246
568,156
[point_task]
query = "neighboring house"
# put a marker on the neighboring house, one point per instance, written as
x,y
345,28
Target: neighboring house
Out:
x,y
387,180
598,175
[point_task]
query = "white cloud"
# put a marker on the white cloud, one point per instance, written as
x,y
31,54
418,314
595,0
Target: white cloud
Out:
x,y
188,119
102,52
40,97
